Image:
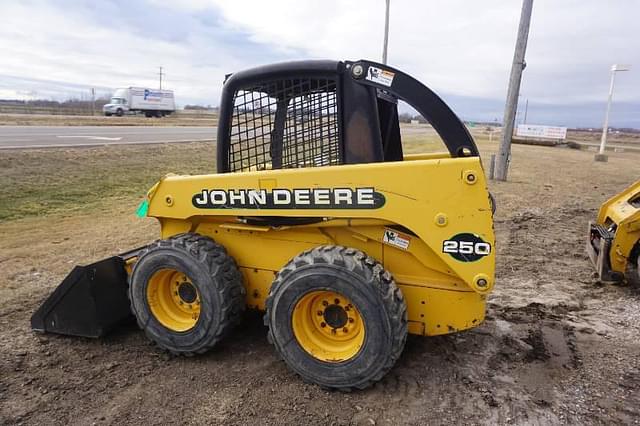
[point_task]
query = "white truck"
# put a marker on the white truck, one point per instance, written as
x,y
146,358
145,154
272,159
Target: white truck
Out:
x,y
150,102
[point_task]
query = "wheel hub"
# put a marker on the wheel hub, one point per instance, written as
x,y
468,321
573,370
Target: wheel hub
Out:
x,y
187,292
173,300
335,316
328,326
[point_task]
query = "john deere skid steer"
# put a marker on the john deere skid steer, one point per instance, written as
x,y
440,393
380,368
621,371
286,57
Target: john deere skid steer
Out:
x,y
613,242
315,216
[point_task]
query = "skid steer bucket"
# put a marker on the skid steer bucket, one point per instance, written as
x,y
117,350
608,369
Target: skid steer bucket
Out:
x,y
89,302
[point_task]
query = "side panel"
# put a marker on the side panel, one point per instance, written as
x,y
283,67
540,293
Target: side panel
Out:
x,y
435,200
437,302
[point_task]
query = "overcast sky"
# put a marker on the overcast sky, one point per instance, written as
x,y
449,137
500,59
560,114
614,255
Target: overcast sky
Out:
x,y
462,49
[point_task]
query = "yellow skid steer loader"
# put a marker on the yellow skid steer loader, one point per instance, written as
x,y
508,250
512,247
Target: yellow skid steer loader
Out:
x,y
613,243
315,216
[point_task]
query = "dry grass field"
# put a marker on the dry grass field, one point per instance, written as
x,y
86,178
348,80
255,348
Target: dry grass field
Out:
x,y
557,347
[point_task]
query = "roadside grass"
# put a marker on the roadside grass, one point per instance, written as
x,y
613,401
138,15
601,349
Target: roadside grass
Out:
x,y
66,181
177,119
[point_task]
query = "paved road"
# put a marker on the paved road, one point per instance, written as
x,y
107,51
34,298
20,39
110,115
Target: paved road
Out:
x,y
18,137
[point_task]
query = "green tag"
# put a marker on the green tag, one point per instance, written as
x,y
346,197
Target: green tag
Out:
x,y
143,208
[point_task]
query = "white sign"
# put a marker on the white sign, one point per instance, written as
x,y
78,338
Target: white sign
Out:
x,y
544,132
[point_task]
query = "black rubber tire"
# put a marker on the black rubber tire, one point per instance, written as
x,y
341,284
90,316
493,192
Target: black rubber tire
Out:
x,y
148,114
119,112
632,274
372,290
211,270
492,202
107,114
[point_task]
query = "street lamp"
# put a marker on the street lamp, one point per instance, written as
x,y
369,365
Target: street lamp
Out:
x,y
600,156
386,33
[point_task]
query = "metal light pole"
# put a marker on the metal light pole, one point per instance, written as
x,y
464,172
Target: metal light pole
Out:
x,y
600,156
518,65
386,34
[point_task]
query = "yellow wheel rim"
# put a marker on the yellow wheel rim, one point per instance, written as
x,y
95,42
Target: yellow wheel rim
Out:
x,y
173,299
328,326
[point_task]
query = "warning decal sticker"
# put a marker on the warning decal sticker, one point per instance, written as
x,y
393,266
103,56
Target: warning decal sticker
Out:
x,y
380,76
396,239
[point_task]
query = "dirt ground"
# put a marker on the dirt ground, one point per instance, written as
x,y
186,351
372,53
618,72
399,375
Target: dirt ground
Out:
x,y
556,348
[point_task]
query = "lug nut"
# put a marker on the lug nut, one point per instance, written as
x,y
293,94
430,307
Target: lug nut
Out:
x,y
481,282
323,325
337,301
345,330
319,313
325,303
351,320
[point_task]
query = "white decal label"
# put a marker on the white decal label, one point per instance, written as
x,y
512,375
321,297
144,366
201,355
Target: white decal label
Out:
x,y
380,76
396,239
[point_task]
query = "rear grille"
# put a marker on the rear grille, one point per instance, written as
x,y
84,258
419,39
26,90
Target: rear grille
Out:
x,y
285,124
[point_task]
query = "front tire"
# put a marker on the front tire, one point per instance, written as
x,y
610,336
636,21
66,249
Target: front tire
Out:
x,y
337,318
119,112
186,293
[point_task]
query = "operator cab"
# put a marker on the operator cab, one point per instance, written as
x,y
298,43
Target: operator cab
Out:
x,y
325,113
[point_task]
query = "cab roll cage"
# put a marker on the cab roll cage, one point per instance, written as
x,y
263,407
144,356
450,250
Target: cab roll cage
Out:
x,y
365,95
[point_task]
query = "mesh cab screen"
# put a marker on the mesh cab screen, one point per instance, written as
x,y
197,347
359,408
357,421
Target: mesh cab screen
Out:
x,y
285,124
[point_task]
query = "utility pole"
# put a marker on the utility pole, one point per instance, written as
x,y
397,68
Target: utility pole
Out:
x,y
386,34
93,101
504,153
601,156
526,108
161,74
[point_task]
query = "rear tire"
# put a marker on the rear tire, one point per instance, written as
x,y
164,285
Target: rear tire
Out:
x,y
337,318
186,293
632,274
